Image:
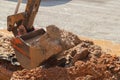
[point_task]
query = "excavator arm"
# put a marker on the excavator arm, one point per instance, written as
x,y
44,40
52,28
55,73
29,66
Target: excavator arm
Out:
x,y
31,48
28,56
24,18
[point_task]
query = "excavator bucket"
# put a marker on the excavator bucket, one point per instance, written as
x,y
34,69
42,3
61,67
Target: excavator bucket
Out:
x,y
28,55
21,25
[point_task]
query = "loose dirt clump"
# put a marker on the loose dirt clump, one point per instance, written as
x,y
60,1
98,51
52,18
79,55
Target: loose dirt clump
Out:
x,y
5,45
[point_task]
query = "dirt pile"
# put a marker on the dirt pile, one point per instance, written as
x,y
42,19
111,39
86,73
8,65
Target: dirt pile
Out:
x,y
106,67
6,50
81,61
77,59
8,61
5,44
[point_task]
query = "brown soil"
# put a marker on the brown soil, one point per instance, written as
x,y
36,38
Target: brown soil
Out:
x,y
81,61
106,67
7,69
84,61
8,62
107,46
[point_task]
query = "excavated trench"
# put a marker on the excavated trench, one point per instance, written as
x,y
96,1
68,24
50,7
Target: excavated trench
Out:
x,y
79,60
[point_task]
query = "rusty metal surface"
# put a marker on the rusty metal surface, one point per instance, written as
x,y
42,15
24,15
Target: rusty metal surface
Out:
x,y
31,11
14,19
21,25
23,49
25,18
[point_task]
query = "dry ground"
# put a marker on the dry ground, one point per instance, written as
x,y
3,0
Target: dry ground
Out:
x,y
93,18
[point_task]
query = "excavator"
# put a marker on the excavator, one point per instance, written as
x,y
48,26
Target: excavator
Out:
x,y
49,44
21,25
